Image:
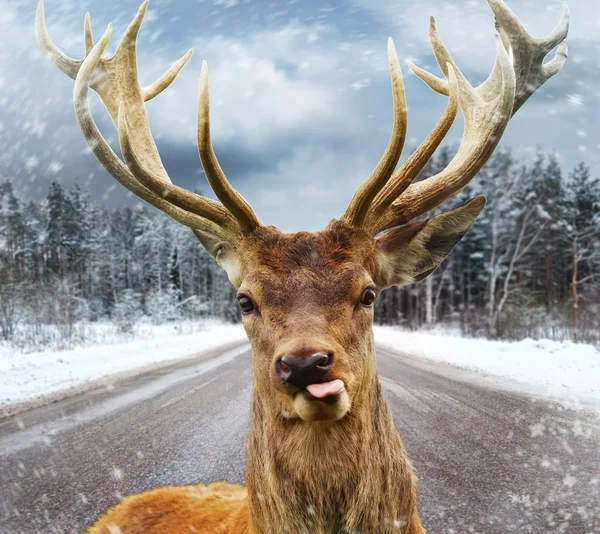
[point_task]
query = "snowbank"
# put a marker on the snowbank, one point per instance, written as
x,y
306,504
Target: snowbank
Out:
x,y
52,375
558,370
564,371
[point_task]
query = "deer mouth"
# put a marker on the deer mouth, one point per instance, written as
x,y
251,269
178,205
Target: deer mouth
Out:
x,y
325,401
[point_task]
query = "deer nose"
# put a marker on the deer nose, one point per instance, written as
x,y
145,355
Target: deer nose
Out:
x,y
301,372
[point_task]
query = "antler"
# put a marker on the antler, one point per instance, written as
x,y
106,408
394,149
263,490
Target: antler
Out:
x,y
358,208
115,79
487,110
71,66
527,52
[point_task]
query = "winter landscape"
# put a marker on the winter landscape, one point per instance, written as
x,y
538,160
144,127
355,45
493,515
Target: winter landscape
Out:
x,y
124,364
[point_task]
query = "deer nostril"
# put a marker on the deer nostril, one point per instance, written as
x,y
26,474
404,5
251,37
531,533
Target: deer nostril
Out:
x,y
324,361
283,369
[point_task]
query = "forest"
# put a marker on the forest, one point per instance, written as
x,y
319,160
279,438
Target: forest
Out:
x,y
529,267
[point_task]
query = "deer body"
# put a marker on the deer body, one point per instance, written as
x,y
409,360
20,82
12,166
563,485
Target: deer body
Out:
x,y
323,454
352,476
346,475
297,482
368,486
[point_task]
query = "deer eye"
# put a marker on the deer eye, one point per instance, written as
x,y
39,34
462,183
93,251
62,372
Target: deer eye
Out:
x,y
368,297
246,304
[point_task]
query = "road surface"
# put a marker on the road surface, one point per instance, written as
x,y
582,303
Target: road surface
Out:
x,y
489,461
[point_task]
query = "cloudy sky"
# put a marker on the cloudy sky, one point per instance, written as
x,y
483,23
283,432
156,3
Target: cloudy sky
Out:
x,y
301,99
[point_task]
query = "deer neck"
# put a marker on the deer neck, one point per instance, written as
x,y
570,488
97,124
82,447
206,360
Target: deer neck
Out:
x,y
325,477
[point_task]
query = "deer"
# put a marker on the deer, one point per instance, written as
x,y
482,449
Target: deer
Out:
x,y
323,454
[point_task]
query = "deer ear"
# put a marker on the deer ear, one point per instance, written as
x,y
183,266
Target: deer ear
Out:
x,y
411,253
224,252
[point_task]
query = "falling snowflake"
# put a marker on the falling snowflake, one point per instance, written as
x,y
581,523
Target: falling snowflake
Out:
x,y
575,100
55,167
360,84
31,163
537,430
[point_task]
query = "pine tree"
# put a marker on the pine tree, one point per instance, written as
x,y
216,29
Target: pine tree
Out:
x,y
58,210
583,232
77,235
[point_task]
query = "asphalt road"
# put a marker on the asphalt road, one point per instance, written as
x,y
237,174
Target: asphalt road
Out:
x,y
489,461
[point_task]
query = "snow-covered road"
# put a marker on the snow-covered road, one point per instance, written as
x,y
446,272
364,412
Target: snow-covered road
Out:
x,y
489,461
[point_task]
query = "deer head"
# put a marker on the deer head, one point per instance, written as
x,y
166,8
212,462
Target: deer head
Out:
x,y
307,298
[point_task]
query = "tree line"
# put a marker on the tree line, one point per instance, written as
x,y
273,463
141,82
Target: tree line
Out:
x,y
529,267
63,260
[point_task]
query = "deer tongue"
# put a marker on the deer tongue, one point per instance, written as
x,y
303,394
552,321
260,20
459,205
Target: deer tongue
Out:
x,y
326,389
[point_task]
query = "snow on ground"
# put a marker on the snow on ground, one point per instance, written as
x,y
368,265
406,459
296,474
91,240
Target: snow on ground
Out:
x,y
564,371
560,370
29,379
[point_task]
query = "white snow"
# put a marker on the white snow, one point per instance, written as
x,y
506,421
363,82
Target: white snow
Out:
x,y
564,371
558,370
55,374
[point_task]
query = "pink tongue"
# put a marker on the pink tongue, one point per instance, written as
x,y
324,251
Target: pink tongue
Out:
x,y
325,389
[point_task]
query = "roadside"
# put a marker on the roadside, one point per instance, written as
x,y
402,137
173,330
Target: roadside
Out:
x,y
564,372
31,380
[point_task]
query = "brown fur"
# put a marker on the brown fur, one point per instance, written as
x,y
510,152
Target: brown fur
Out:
x,y
218,507
312,467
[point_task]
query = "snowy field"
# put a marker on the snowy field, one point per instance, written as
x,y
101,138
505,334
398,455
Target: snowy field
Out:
x,y
563,371
33,378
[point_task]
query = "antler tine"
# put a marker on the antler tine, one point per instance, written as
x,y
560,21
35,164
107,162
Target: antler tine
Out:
x,y
409,170
359,206
557,62
150,91
230,198
68,65
485,122
529,52
88,38
559,33
110,160
528,55
71,66
123,86
442,57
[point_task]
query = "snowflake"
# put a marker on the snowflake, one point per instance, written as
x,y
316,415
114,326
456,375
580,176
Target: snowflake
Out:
x,y
537,430
31,163
55,166
360,84
575,100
